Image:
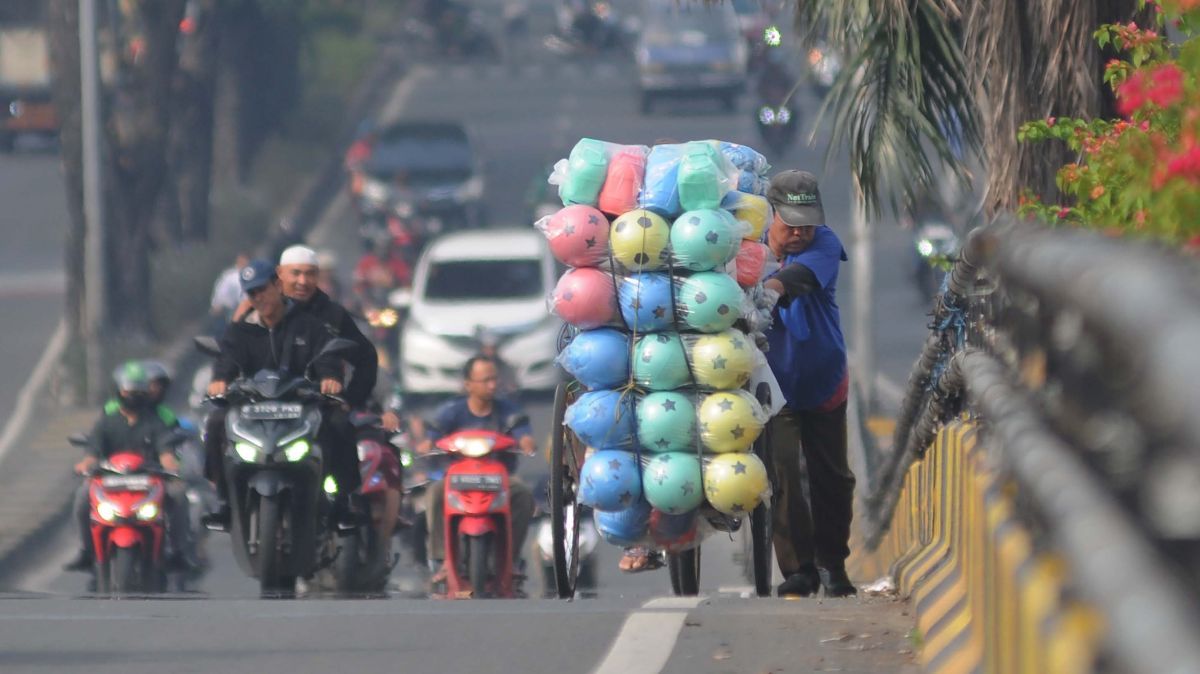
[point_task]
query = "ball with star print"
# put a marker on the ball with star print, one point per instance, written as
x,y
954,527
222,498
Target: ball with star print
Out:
x,y
585,297
578,236
666,422
708,301
724,360
624,527
735,483
598,359
730,421
706,239
660,362
638,240
671,482
645,302
610,480
603,419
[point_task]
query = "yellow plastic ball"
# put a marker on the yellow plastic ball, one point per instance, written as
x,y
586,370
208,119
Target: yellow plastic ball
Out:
x,y
730,421
735,483
639,240
756,212
724,360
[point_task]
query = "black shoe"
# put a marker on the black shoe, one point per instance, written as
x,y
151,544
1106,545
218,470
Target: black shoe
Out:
x,y
82,562
218,520
836,582
801,584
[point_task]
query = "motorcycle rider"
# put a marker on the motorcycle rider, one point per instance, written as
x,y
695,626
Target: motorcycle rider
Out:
x,y
280,335
159,379
134,425
479,409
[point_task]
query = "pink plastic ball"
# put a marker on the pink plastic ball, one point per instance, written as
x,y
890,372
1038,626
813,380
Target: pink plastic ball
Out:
x,y
578,236
585,298
751,260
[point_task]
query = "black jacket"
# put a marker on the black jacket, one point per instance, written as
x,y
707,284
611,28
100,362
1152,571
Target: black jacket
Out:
x,y
339,323
248,346
113,433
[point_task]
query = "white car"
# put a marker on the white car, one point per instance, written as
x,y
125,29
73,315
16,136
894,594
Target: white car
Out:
x,y
468,282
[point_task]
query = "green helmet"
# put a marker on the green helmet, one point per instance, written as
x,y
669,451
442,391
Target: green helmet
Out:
x,y
131,376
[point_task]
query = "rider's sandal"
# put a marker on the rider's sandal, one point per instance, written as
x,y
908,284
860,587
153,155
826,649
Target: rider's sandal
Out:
x,y
639,559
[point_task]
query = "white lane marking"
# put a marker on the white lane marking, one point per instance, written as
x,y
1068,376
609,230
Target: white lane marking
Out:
x,y
36,382
735,589
647,638
403,92
40,282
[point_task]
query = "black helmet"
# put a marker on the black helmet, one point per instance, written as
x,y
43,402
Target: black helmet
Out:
x,y
132,376
157,372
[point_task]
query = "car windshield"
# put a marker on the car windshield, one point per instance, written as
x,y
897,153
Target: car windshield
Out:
x,y
421,158
465,280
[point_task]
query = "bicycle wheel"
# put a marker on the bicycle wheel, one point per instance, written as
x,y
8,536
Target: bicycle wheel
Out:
x,y
760,518
685,572
566,457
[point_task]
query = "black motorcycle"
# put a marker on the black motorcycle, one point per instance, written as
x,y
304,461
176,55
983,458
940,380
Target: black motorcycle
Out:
x,y
274,466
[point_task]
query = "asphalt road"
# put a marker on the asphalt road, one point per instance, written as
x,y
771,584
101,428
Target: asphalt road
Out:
x,y
526,114
33,223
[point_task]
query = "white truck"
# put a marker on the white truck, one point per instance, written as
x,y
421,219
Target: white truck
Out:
x,y
25,101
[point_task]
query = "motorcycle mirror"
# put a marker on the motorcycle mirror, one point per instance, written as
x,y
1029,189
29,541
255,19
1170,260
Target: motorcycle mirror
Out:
x,y
514,422
400,298
207,345
78,440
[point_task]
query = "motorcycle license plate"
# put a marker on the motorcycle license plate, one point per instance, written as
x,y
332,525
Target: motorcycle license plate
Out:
x,y
272,411
476,482
126,482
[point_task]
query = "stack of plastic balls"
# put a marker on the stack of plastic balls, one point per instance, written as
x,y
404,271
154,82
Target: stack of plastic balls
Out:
x,y
662,248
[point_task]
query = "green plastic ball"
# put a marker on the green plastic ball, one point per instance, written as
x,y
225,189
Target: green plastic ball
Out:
x,y
709,301
671,482
705,240
666,422
660,362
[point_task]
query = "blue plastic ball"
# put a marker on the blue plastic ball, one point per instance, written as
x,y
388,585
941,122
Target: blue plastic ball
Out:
x,y
610,480
604,420
599,359
624,527
645,301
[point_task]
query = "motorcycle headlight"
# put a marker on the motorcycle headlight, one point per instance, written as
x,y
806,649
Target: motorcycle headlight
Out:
x,y
246,451
147,511
784,116
772,37
330,485
766,115
406,458
474,447
925,247
297,450
106,511
375,191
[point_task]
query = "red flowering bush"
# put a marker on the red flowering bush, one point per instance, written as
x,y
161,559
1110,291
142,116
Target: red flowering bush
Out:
x,y
1139,174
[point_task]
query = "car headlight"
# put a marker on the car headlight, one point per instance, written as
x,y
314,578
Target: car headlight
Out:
x,y
297,450
246,451
106,511
147,511
375,191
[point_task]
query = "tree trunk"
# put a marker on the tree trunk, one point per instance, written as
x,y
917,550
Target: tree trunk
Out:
x,y
193,105
62,29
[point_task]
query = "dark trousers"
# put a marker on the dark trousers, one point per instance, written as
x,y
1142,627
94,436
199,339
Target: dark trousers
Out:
x,y
816,529
175,507
336,437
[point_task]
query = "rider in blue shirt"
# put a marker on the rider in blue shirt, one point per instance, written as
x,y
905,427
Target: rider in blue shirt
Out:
x,y
807,354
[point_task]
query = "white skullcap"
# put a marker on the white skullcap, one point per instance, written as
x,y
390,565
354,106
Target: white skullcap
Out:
x,y
299,255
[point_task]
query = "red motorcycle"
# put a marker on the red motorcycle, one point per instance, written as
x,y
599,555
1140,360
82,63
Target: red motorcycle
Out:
x,y
477,515
127,525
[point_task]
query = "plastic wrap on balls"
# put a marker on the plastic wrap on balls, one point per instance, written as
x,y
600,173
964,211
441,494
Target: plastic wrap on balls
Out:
x,y
705,175
724,360
751,183
578,236
580,180
730,421
639,239
735,483
751,263
585,297
751,209
666,422
674,532
623,182
745,158
671,482
706,239
708,301
598,359
624,527
660,362
660,190
611,480
604,420
645,302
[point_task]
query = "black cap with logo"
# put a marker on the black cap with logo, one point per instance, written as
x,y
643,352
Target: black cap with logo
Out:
x,y
796,198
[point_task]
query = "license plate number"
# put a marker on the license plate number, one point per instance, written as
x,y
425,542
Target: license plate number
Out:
x,y
127,482
477,482
272,411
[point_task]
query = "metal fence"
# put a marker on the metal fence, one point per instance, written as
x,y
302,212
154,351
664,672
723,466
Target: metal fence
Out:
x,y
1076,357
